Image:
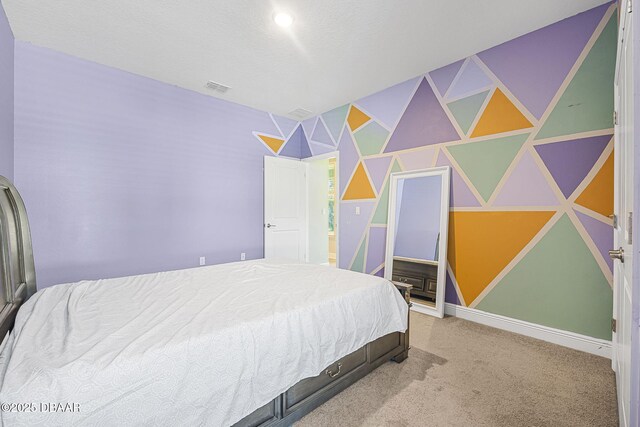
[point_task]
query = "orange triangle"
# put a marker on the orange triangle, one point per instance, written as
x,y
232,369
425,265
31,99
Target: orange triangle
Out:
x,y
499,116
598,196
481,244
273,143
356,118
360,186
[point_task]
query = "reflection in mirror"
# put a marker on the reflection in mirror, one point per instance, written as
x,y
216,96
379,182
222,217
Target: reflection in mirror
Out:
x,y
417,235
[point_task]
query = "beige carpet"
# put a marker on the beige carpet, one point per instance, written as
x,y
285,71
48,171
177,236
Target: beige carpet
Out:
x,y
463,374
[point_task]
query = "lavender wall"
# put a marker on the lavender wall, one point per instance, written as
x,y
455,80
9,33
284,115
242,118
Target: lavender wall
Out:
x,y
6,97
418,218
124,175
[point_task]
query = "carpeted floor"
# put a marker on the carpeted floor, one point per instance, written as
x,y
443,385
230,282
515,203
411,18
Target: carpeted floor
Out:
x,y
463,374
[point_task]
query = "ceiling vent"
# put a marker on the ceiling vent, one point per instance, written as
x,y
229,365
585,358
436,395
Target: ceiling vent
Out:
x,y
300,113
218,87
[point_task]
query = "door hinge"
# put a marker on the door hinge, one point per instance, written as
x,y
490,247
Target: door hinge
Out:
x,y
630,228
615,118
613,325
629,7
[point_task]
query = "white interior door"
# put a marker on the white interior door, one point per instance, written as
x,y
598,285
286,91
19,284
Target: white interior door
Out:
x,y
285,209
623,207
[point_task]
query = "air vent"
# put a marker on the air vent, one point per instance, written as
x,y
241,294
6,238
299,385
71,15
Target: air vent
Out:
x,y
300,113
218,87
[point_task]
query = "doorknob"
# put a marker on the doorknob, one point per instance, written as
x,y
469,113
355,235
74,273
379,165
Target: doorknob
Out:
x,y
270,225
617,254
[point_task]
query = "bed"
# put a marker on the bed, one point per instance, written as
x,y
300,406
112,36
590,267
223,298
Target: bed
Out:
x,y
256,343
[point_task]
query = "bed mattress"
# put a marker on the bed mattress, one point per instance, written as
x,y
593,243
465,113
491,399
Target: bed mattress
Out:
x,y
202,346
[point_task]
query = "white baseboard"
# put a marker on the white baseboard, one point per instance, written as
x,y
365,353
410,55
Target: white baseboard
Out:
x,y
556,336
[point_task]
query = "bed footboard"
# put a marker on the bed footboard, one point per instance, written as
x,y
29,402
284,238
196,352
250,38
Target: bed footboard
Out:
x,y
312,392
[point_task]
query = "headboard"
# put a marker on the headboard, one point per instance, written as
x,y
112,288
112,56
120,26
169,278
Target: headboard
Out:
x,y
17,271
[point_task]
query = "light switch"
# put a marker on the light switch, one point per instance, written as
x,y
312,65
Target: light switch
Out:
x,y
357,210
202,260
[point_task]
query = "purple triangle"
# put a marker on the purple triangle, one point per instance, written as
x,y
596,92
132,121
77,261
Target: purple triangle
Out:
x,y
377,248
423,123
570,161
526,175
601,234
472,80
450,294
387,105
305,150
320,134
380,273
534,66
285,124
293,146
352,228
442,77
378,167
460,195
348,160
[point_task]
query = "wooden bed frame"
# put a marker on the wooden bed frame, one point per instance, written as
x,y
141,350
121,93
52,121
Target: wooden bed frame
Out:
x,y
18,283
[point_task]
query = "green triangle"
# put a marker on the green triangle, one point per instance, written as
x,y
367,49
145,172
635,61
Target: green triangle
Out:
x,y
587,103
380,216
358,262
465,110
485,162
371,138
557,284
334,120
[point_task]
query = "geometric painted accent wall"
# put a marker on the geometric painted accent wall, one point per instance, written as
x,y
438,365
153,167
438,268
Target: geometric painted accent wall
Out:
x,y
527,128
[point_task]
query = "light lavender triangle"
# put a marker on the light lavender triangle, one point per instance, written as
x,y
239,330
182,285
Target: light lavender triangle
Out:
x,y
420,159
378,167
472,80
442,77
534,66
526,186
320,134
377,247
285,124
308,125
318,149
351,229
387,105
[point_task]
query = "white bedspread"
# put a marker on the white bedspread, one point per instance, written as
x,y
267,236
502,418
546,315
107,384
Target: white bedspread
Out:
x,y
203,346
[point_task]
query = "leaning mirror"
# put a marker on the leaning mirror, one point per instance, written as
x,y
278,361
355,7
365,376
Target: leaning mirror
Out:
x,y
417,235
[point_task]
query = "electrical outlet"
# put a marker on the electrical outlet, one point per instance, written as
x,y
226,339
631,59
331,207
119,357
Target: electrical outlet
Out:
x,y
203,260
357,210
243,256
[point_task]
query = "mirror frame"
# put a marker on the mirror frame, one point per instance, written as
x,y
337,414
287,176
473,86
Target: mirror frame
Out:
x,y
445,173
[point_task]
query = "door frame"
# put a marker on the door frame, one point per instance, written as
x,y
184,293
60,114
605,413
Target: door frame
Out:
x,y
635,286
325,156
625,16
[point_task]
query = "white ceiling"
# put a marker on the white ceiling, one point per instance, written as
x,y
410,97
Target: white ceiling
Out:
x,y
336,51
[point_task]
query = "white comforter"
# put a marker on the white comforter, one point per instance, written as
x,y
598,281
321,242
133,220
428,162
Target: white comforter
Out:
x,y
203,346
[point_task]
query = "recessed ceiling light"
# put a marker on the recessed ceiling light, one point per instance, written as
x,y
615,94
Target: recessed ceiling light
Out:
x,y
283,19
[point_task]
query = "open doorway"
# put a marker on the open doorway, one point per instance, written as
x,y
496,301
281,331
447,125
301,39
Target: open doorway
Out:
x,y
322,181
